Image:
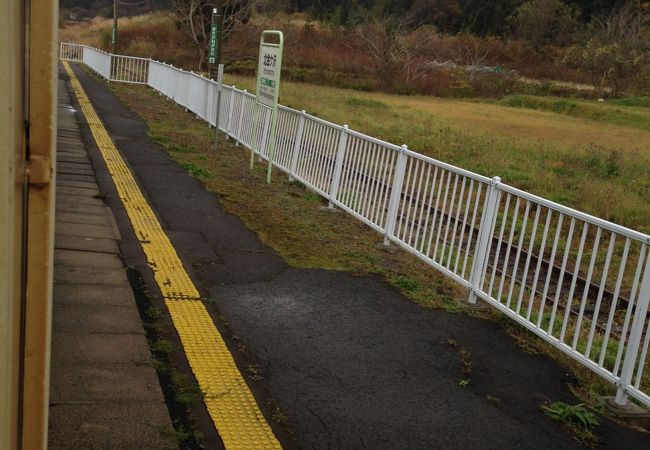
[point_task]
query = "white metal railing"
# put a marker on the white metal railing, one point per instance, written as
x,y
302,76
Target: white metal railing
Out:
x,y
129,69
578,282
71,52
99,61
126,69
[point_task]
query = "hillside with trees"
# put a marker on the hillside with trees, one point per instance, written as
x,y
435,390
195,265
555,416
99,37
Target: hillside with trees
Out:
x,y
485,48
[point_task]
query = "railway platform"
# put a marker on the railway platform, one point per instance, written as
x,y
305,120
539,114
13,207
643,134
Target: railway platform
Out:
x,y
285,357
104,391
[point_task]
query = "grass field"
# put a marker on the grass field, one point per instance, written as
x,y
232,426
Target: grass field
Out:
x,y
593,156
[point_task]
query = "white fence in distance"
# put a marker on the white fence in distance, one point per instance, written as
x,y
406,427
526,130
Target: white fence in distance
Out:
x,y
579,282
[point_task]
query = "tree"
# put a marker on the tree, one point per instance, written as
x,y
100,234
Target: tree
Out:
x,y
393,47
486,17
543,22
617,50
195,17
594,8
443,14
625,25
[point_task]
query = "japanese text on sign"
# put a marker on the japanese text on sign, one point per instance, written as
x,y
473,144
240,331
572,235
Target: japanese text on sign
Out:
x,y
212,53
268,75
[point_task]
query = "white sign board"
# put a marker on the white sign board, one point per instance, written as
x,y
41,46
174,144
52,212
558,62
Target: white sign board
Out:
x,y
268,75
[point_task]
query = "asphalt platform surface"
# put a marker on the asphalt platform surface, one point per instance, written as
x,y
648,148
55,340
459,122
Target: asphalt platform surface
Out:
x,y
350,361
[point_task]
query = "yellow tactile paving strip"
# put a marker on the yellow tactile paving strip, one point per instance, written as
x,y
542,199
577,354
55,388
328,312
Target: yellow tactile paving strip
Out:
x,y
230,403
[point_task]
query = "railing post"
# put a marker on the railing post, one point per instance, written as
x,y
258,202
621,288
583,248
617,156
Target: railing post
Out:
x,y
174,83
149,74
395,194
338,165
481,252
230,109
634,341
297,142
241,117
111,62
210,103
189,91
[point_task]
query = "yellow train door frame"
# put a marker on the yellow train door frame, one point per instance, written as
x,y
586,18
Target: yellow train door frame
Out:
x,y
28,58
12,195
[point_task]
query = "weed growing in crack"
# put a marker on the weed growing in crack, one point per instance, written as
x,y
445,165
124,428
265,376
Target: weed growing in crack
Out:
x,y
578,419
254,372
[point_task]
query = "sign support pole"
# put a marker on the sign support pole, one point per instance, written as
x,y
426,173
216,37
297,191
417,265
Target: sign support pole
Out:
x,y
218,115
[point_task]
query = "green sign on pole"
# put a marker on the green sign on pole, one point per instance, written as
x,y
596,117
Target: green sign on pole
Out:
x,y
268,89
212,53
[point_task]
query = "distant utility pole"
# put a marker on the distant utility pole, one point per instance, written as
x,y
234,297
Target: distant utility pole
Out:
x,y
214,48
114,36
215,67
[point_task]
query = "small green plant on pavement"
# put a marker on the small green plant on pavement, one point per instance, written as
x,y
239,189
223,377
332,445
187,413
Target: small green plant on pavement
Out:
x,y
580,420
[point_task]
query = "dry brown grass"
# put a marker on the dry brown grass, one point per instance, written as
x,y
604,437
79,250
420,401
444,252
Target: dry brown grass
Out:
x,y
319,54
153,35
513,124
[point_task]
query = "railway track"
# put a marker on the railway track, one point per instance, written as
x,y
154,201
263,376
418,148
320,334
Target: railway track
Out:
x,y
532,280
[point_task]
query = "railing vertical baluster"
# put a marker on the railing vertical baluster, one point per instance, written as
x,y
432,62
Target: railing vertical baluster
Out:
x,y
265,134
241,117
634,341
484,238
210,103
230,109
395,194
296,144
338,165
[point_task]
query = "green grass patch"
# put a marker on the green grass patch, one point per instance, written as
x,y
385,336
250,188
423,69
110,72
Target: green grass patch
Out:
x,y
197,171
366,103
186,390
164,347
639,102
606,112
406,284
578,419
180,148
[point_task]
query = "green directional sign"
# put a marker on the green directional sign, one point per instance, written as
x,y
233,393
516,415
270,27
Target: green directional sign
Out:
x,y
212,52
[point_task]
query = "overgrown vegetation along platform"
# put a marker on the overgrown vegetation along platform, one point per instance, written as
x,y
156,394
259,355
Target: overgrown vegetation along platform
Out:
x,y
338,358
